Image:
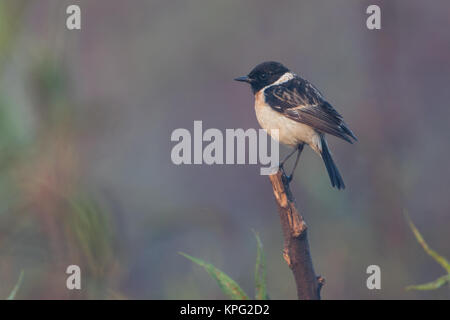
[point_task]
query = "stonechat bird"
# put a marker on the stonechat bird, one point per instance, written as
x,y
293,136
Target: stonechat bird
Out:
x,y
288,103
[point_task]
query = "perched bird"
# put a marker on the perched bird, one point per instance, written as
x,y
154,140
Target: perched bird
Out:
x,y
286,102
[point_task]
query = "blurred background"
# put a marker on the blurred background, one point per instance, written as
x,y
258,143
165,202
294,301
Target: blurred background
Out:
x,y
86,116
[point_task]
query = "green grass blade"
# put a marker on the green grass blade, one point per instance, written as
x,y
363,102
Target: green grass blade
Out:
x,y
260,271
226,284
438,258
431,285
13,293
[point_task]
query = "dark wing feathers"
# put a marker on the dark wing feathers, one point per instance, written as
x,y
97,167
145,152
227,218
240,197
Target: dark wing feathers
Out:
x,y
301,101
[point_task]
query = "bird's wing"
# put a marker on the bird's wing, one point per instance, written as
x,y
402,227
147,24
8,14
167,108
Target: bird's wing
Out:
x,y
299,100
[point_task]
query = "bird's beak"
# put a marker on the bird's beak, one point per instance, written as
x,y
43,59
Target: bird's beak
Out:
x,y
243,79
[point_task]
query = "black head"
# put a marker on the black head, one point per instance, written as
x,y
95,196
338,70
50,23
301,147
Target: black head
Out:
x,y
264,74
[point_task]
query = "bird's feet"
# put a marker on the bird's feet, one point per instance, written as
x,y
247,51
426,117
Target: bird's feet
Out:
x,y
287,178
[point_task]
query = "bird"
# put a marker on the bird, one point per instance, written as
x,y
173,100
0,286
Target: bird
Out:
x,y
301,114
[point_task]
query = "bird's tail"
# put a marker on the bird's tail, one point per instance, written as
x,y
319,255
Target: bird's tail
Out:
x,y
333,172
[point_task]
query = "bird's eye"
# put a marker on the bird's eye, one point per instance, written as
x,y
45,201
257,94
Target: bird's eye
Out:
x,y
263,76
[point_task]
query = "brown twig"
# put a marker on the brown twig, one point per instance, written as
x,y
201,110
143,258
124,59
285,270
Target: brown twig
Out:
x,y
296,247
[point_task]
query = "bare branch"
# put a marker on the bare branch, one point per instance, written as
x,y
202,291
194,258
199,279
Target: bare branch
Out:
x,y
296,247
